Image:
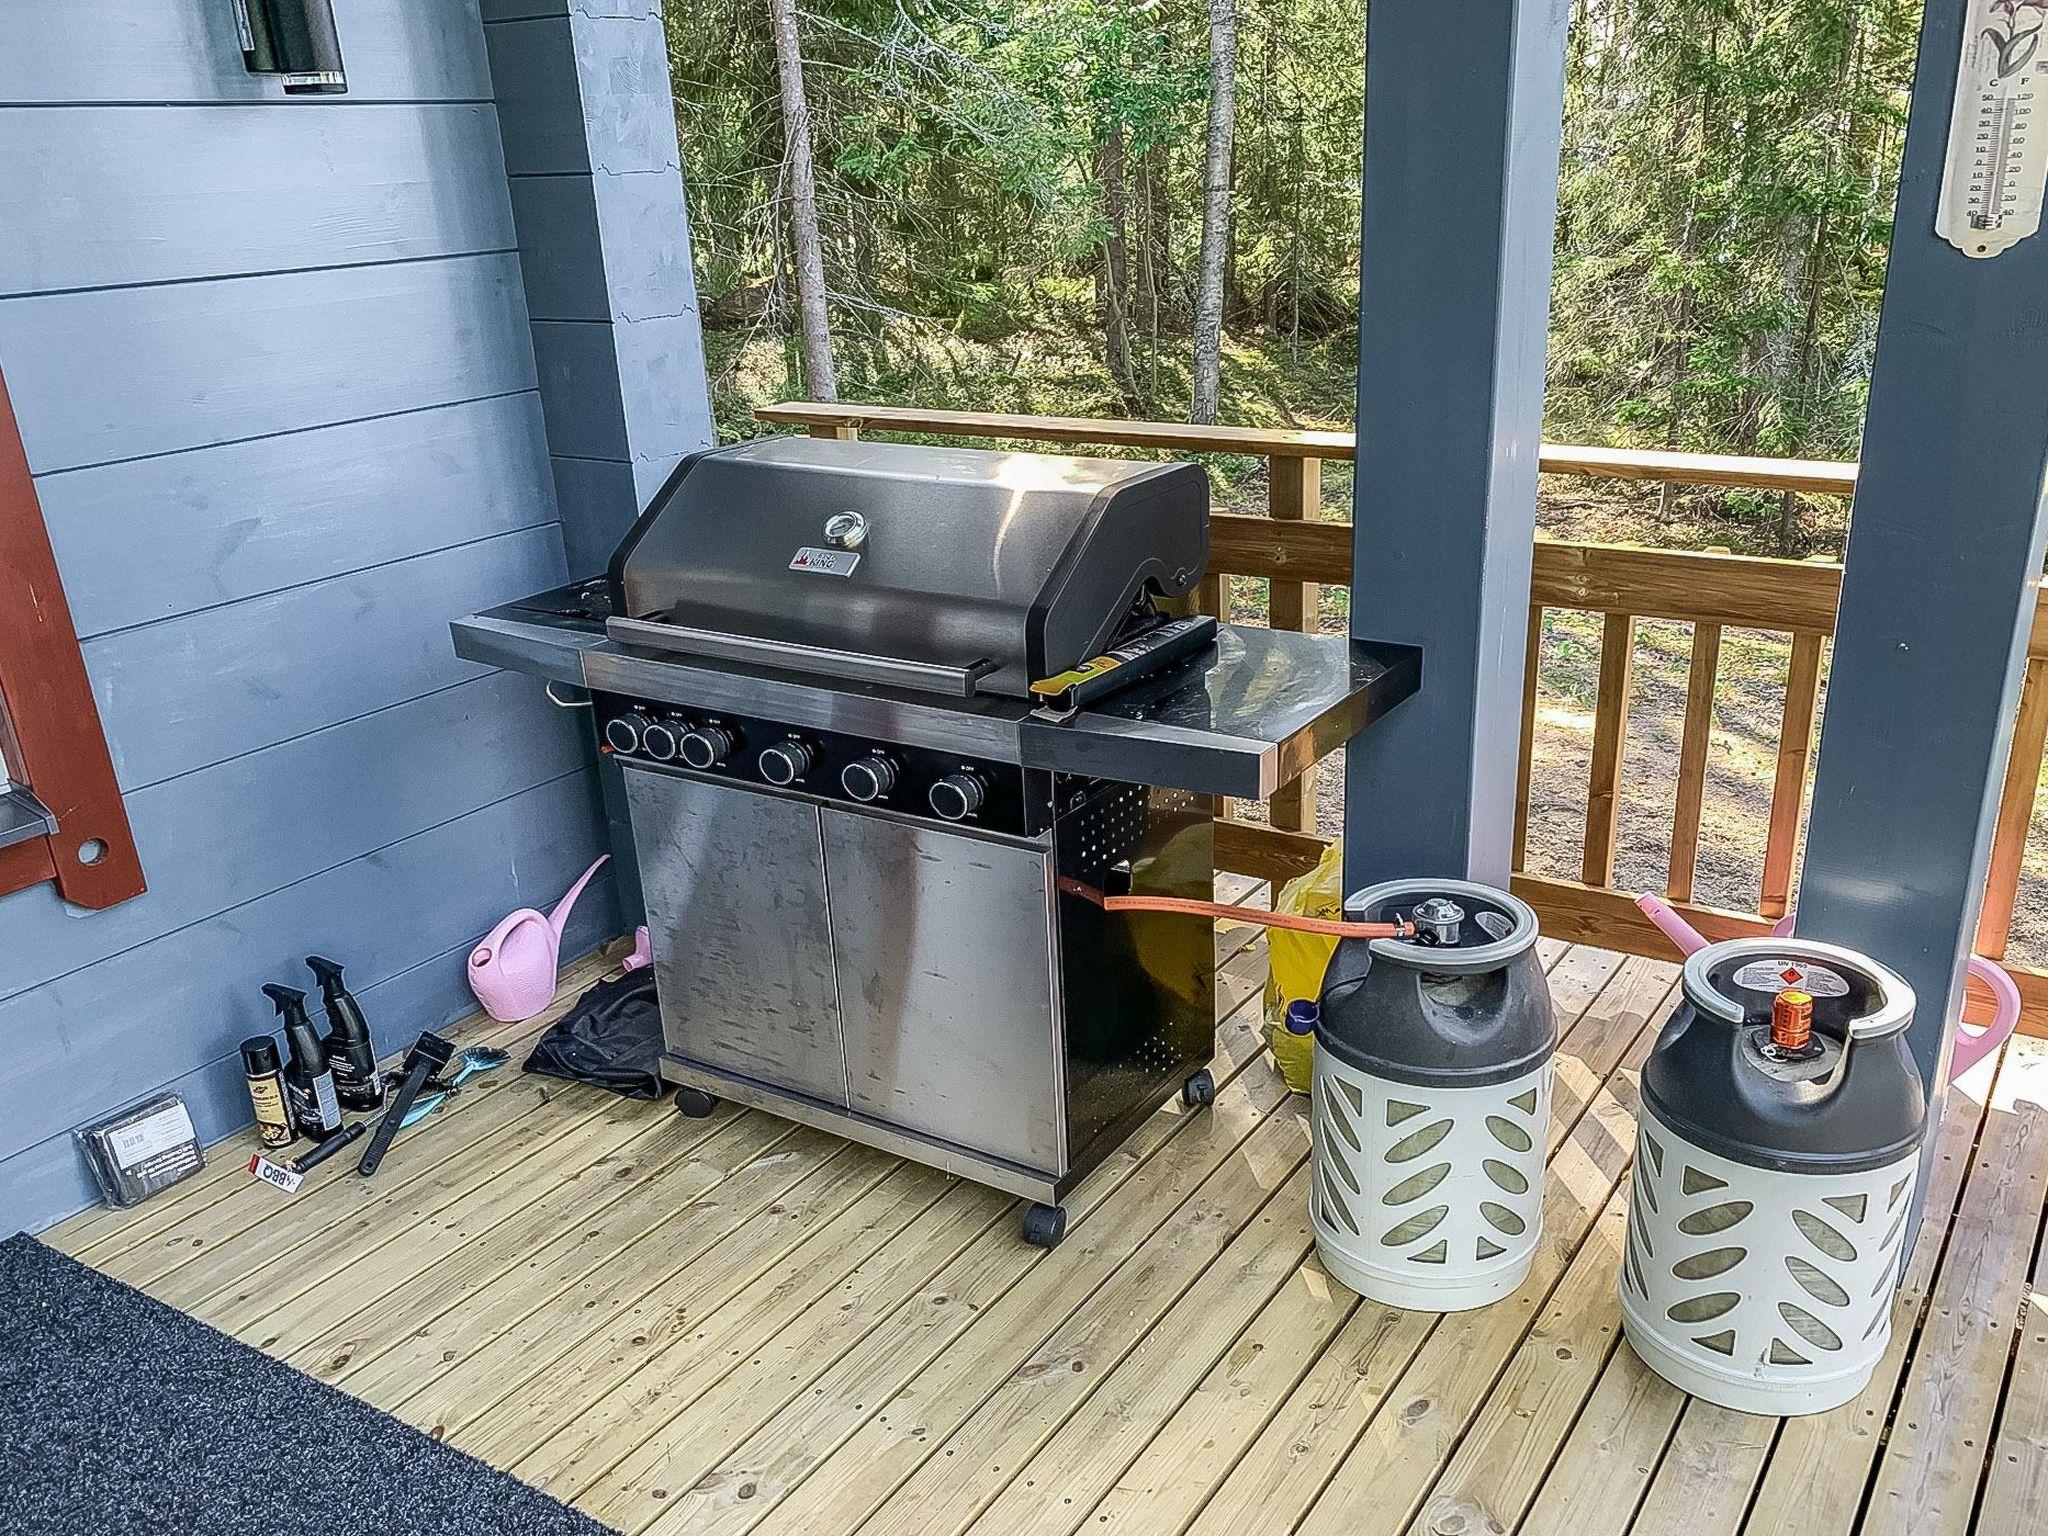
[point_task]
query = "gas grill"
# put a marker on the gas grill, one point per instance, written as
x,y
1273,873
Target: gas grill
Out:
x,y
891,722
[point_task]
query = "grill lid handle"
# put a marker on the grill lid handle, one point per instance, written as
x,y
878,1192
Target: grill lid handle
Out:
x,y
753,650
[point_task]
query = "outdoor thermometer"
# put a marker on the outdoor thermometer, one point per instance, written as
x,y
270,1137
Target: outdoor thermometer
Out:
x,y
1997,151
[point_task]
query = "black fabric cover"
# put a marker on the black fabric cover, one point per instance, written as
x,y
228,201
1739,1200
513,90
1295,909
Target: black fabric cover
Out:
x,y
122,1417
610,1039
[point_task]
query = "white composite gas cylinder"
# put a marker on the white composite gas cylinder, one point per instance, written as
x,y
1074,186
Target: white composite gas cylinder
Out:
x,y
1773,1181
1431,1099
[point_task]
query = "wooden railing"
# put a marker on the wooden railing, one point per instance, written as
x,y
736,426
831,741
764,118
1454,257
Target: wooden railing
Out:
x,y
1712,593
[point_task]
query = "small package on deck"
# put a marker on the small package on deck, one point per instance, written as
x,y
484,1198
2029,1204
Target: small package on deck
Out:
x,y
1298,960
142,1150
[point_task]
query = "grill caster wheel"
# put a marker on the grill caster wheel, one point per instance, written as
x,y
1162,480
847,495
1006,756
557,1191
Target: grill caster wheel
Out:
x,y
694,1103
1198,1090
1045,1225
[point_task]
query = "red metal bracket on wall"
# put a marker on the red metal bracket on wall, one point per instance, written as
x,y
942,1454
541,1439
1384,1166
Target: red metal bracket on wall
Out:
x,y
49,726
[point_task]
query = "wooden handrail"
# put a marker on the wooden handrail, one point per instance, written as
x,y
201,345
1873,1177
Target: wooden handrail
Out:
x,y
1816,477
1297,553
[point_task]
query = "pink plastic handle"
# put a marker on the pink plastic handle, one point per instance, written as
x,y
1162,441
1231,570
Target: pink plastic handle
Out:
x,y
1971,1045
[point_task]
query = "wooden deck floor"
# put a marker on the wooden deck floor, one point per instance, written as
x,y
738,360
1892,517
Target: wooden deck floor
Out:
x,y
738,1324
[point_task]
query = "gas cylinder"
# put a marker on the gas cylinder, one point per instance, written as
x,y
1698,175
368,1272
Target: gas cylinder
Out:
x,y
1431,1098
1776,1151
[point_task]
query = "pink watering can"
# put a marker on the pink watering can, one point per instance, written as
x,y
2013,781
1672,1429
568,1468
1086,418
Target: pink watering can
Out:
x,y
513,971
1972,1044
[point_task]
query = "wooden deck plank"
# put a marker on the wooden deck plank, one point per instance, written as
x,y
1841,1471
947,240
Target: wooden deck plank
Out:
x,y
864,1419
1928,1478
1086,1459
285,1305
1207,1264
1703,1484
1821,1462
1392,1466
640,1391
1345,1401
670,1164
2016,1491
187,1264
799,1247
99,1235
606,1260
750,1324
1602,1469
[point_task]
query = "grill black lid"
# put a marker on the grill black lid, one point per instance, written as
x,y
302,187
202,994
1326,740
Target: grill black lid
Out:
x,y
950,568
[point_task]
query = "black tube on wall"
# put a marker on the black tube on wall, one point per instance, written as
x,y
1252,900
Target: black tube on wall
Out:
x,y
294,40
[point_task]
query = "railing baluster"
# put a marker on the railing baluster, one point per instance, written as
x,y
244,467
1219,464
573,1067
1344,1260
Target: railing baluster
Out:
x,y
2015,813
1532,658
1294,491
1610,732
1788,789
1692,760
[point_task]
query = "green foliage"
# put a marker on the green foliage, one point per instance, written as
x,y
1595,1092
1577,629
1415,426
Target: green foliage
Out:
x,y
1725,198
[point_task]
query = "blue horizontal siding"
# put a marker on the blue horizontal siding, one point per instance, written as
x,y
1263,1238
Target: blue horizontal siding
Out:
x,y
150,539
161,1010
186,693
273,371
47,1181
187,51
114,195
130,372
265,820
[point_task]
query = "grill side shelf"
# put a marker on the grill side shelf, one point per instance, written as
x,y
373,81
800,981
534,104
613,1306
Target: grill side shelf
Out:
x,y
1265,705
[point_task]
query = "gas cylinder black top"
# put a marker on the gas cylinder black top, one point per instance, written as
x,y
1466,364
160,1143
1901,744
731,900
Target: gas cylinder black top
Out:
x,y
1851,1099
1464,1004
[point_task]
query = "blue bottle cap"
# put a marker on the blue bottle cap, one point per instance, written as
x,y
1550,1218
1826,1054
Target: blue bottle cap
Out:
x,y
1303,1014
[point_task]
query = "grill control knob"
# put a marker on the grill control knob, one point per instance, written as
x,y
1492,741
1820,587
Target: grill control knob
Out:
x,y
869,778
707,746
958,795
622,732
658,740
787,761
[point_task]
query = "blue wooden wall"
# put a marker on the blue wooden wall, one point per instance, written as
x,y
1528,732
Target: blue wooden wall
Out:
x,y
274,373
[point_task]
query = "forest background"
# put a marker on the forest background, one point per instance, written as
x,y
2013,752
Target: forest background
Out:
x,y
1151,209
1005,204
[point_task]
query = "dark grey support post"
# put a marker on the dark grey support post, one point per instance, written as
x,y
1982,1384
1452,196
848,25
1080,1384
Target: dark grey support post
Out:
x,y
589,129
1945,544
1463,111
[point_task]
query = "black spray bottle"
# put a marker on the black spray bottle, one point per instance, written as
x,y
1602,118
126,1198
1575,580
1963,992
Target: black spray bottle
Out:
x,y
308,1084
350,1052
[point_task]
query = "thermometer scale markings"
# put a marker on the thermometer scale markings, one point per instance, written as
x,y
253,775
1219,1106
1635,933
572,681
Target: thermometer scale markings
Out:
x,y
1991,191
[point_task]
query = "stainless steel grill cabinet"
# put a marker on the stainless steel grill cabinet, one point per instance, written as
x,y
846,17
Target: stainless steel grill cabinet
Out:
x,y
869,855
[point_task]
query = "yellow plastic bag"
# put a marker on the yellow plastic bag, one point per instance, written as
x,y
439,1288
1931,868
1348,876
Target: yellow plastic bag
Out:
x,y
1299,960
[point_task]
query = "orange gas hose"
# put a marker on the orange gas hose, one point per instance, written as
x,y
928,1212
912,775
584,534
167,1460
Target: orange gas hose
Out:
x,y
1330,928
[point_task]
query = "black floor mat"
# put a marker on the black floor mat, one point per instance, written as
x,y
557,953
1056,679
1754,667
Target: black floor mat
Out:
x,y
122,1417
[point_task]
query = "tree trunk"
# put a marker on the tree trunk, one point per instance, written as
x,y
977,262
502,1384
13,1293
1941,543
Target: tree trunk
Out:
x,y
1113,280
801,186
1215,208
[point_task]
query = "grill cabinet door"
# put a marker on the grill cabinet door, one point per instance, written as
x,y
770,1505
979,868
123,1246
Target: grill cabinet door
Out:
x,y
735,889
945,982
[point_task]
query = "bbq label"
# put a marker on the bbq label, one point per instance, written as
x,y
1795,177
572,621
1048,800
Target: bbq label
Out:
x,y
825,562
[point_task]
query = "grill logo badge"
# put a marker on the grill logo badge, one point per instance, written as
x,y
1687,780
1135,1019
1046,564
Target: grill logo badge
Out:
x,y
825,562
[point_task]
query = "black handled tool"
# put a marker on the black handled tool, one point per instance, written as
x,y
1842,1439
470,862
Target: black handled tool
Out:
x,y
330,1146
429,1054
